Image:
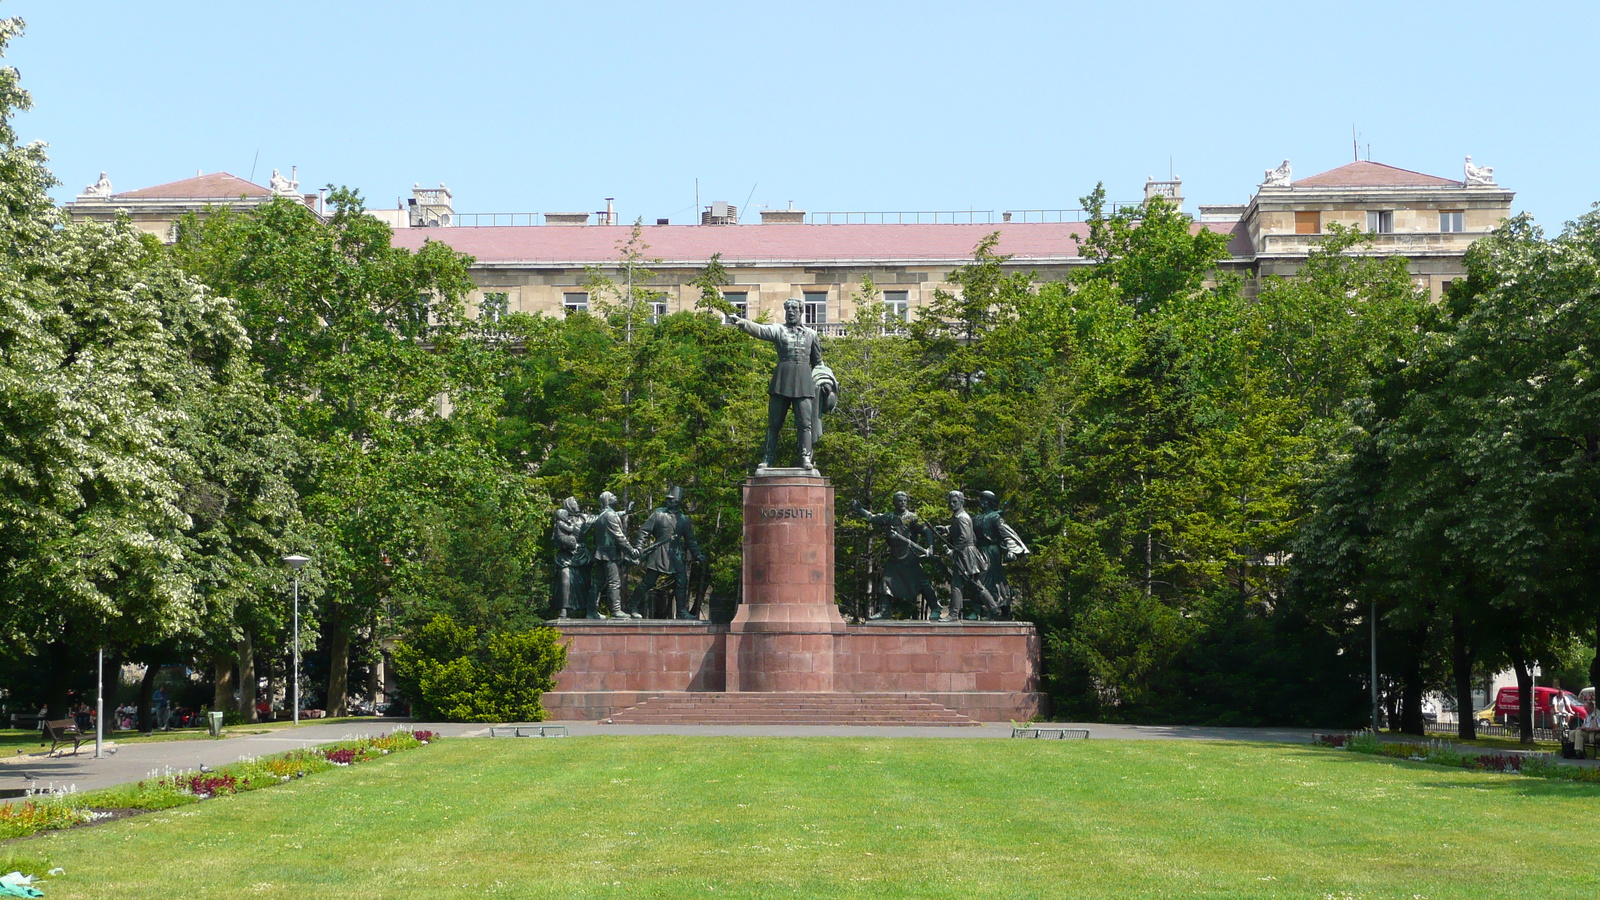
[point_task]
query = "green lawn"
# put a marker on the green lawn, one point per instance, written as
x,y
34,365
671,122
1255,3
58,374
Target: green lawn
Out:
x,y
674,817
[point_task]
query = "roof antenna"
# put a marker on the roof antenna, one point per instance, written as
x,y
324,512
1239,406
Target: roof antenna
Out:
x,y
1355,148
1369,153
253,165
747,201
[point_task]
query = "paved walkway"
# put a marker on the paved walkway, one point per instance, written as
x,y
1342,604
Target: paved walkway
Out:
x,y
132,762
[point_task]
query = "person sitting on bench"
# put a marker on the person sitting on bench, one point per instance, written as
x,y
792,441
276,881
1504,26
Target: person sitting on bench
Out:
x,y
1587,734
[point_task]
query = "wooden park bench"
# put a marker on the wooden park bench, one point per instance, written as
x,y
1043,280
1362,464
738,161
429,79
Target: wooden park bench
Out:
x,y
1060,734
61,731
528,731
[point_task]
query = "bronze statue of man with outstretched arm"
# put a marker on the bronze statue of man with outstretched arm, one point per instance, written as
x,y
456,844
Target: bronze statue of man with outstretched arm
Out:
x,y
794,381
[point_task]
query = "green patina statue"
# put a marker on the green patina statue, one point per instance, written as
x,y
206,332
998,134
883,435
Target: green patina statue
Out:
x,y
910,543
666,548
799,382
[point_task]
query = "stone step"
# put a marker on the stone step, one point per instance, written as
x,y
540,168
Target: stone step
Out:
x,y
755,708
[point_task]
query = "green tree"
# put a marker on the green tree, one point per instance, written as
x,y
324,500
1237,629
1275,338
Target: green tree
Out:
x,y
362,343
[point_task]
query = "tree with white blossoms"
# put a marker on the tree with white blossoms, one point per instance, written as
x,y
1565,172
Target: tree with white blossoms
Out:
x,y
141,494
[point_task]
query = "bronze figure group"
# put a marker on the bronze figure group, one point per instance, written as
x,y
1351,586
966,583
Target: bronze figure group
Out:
x,y
592,551
976,550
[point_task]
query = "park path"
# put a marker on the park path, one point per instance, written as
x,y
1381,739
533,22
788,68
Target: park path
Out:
x,y
135,761
132,762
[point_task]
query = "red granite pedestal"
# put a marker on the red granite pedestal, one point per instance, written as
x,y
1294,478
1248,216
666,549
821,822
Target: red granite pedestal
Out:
x,y
782,638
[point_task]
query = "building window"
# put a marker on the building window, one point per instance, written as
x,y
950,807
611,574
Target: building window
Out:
x,y
493,306
1451,221
658,310
575,302
740,301
1308,222
816,308
897,304
1380,221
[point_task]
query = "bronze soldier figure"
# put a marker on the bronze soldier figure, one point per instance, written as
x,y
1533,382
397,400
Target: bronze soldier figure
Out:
x,y
800,381
611,549
966,563
903,578
670,550
573,561
999,543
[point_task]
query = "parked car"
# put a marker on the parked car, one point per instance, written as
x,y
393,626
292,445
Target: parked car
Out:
x,y
1552,707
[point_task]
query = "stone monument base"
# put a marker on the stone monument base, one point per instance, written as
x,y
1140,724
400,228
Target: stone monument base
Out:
x,y
987,671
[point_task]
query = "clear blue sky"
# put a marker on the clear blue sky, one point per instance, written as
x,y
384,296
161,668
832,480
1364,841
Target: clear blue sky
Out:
x,y
533,107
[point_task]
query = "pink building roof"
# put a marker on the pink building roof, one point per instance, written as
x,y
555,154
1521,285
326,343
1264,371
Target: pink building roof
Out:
x,y
216,186
1365,173
576,245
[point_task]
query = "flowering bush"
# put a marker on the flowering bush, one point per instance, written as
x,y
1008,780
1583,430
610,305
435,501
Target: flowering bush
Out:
x,y
294,764
18,819
1498,762
342,756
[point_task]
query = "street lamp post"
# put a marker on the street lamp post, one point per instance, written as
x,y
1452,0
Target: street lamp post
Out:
x,y
295,561
1374,656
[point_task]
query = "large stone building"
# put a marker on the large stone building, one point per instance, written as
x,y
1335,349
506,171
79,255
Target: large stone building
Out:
x,y
156,210
545,264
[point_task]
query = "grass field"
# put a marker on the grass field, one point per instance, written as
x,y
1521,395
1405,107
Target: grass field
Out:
x,y
678,817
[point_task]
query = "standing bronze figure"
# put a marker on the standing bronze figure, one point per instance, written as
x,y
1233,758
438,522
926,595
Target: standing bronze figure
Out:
x,y
1000,544
573,562
670,550
903,578
611,550
800,381
966,563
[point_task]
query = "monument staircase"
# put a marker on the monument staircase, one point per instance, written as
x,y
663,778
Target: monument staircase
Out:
x,y
787,708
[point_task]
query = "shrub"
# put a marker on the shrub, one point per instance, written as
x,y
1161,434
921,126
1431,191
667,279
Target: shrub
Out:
x,y
449,672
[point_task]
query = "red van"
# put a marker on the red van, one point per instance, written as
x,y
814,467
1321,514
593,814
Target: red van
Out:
x,y
1552,707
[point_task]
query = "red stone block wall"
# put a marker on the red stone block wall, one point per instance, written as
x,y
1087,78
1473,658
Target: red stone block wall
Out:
x,y
928,657
644,655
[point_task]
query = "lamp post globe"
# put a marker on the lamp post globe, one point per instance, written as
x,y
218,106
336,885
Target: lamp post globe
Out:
x,y
295,562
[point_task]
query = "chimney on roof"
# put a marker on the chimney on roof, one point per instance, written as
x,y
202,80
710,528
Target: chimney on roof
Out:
x,y
608,216
790,216
720,212
431,207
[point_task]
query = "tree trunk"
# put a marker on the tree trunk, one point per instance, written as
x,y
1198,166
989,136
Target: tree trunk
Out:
x,y
338,663
222,693
247,678
58,696
1524,695
1594,664
1461,665
147,690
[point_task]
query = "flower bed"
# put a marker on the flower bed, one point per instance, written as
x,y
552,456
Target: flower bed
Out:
x,y
166,790
1443,753
29,816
